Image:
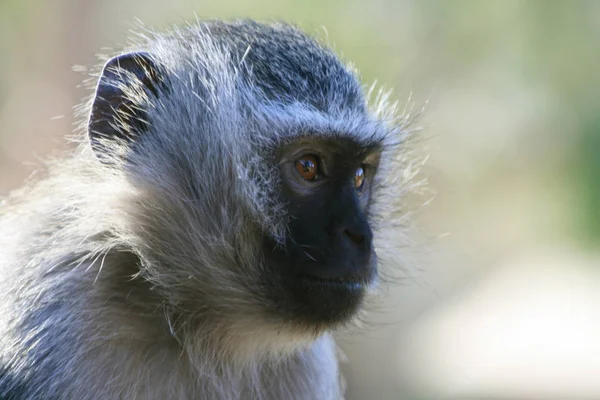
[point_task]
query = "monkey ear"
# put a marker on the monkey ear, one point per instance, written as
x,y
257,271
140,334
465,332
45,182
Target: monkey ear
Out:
x,y
118,109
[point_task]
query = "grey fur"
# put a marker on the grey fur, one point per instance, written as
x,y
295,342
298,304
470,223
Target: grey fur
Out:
x,y
88,308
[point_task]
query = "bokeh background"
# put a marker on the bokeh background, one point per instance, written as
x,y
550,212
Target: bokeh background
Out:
x,y
504,298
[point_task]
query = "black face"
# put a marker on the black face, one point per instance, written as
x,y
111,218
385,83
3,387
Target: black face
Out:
x,y
328,261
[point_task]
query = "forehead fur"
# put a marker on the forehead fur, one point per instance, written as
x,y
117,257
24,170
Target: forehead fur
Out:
x,y
279,61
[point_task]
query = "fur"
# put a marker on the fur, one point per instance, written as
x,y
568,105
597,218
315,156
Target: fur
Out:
x,y
141,278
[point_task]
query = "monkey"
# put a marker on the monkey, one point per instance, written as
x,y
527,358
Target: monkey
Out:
x,y
223,213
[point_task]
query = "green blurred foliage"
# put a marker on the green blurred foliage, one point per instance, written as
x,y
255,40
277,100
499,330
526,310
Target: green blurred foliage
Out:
x,y
587,174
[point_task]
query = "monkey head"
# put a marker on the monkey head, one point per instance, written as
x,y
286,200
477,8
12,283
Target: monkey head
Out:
x,y
249,161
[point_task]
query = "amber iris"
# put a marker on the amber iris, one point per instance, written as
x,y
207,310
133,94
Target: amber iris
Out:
x,y
307,167
359,178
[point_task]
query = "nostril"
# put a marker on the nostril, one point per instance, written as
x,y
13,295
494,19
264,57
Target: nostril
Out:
x,y
355,237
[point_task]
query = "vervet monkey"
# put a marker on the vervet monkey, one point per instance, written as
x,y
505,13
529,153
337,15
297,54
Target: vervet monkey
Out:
x,y
218,221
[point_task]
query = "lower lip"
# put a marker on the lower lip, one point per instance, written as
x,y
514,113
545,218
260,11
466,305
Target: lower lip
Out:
x,y
333,284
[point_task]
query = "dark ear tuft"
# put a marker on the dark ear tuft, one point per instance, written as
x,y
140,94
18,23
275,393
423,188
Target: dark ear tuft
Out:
x,y
118,110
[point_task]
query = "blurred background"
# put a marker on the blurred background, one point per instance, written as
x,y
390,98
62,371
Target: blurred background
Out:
x,y
504,302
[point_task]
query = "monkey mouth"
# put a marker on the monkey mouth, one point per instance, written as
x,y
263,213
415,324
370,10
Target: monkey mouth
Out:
x,y
330,300
326,295
359,280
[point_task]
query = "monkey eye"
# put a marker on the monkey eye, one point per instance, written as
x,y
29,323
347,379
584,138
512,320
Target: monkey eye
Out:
x,y
359,178
308,167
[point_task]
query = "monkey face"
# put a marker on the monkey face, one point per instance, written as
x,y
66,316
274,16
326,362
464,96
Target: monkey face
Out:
x,y
327,262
